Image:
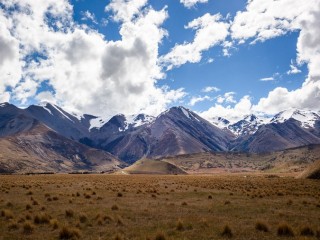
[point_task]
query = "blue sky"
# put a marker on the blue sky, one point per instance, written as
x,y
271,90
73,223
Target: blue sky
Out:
x,y
107,57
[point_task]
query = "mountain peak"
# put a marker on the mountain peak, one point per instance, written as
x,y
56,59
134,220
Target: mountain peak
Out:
x,y
307,118
4,104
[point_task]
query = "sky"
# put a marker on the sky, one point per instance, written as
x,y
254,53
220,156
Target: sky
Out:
x,y
227,58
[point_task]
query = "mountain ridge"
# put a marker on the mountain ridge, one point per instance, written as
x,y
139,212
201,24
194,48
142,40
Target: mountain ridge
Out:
x,y
175,131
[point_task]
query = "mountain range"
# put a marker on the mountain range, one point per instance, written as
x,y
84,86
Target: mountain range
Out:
x,y
58,140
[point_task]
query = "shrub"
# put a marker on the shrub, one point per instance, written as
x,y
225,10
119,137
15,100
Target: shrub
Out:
x,y
285,230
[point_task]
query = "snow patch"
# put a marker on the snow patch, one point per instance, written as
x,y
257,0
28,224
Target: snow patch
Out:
x,y
61,112
185,112
306,118
3,104
97,122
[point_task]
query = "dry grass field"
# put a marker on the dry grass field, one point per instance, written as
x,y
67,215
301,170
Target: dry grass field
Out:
x,y
158,207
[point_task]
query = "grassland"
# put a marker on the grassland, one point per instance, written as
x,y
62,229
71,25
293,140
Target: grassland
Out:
x,y
158,207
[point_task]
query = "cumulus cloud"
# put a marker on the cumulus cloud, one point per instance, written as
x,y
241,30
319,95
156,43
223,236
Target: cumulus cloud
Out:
x,y
125,10
191,3
10,65
228,97
293,69
84,70
210,89
194,100
263,20
210,29
232,113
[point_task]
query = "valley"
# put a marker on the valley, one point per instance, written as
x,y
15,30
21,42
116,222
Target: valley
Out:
x,y
228,206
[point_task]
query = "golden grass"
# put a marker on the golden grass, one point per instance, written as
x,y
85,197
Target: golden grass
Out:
x,y
158,207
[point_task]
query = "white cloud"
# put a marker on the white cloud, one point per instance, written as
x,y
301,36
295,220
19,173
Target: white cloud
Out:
x,y
4,97
263,20
210,89
84,70
293,69
46,96
125,10
232,113
228,97
10,65
89,16
194,100
267,79
210,31
191,3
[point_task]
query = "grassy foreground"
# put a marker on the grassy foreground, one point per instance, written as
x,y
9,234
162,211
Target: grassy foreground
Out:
x,y
158,207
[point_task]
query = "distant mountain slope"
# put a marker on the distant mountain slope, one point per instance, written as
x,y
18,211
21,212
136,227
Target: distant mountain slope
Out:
x,y
294,161
14,120
43,150
277,136
176,131
68,125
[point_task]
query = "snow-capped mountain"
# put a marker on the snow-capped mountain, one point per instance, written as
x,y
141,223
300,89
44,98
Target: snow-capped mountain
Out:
x,y
220,122
306,118
129,121
248,125
175,131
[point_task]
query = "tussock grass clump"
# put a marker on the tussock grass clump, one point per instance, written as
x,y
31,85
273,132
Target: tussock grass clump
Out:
x,y
262,226
160,236
118,237
227,232
114,207
54,223
306,231
179,225
285,230
28,228
69,233
83,218
69,213
41,219
7,214
13,226
28,207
